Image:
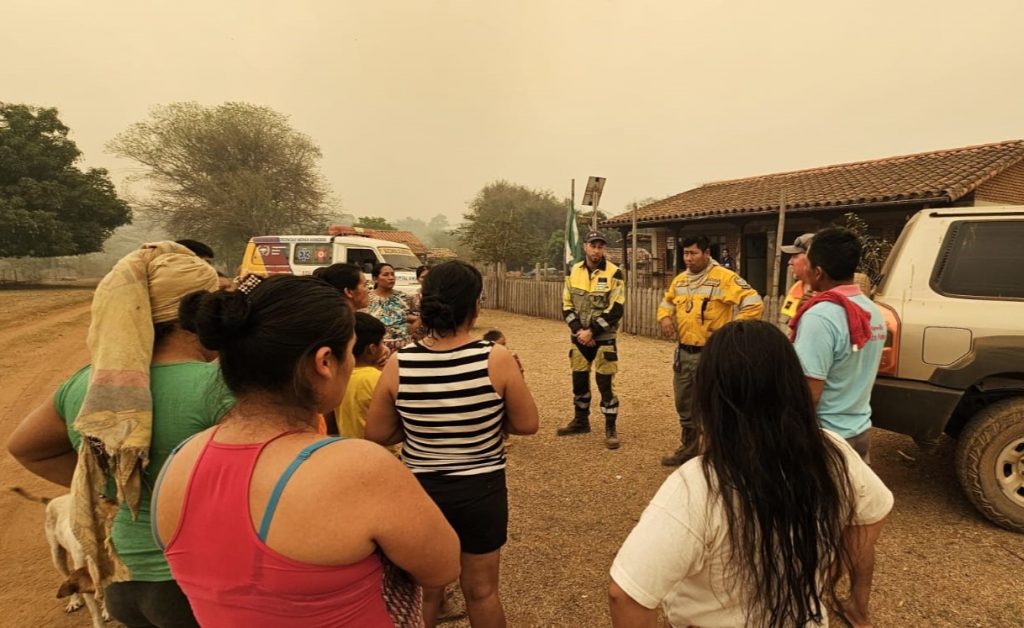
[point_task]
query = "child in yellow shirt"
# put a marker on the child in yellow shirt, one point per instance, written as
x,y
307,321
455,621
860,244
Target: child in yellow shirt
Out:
x,y
367,350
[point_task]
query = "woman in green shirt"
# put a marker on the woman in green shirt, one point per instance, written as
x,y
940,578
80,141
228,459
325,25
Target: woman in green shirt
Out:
x,y
188,396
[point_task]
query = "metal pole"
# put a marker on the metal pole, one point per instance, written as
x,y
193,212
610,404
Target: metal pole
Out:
x,y
572,211
593,219
773,290
632,258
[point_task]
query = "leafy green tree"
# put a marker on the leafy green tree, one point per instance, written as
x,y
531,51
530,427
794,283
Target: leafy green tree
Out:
x,y
554,250
511,223
224,174
375,222
48,206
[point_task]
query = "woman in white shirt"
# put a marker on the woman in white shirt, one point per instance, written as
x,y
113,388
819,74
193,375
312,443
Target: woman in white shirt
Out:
x,y
759,529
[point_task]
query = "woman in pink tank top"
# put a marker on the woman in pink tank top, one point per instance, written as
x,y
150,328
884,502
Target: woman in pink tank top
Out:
x,y
267,523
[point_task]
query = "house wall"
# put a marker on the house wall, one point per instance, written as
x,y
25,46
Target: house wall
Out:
x,y
1006,188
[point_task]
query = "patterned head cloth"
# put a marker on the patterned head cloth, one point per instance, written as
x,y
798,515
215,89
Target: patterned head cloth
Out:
x,y
116,417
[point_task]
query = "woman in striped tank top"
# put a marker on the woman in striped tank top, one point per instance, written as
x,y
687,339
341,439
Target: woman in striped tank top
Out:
x,y
449,399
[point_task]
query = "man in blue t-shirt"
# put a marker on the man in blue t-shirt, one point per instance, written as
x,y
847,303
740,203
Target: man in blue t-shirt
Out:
x,y
839,339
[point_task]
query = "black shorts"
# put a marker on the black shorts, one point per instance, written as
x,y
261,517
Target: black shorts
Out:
x,y
476,506
137,603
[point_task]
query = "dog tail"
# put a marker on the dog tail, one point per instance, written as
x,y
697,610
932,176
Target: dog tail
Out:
x,y
30,496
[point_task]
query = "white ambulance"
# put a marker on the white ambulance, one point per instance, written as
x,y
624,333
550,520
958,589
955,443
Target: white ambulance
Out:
x,y
302,254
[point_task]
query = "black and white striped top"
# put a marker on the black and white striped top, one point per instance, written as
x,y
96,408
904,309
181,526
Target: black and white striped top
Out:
x,y
449,409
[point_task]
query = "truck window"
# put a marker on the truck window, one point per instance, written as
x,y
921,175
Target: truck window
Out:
x,y
363,258
399,257
981,259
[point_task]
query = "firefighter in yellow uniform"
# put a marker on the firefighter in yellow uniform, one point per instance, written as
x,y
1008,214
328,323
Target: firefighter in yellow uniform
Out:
x,y
698,302
592,304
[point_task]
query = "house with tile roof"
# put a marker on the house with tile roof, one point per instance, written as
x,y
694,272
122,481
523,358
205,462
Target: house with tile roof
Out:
x,y
440,254
742,214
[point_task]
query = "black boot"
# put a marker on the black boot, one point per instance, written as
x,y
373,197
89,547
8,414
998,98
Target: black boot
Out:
x,y
580,423
576,426
611,438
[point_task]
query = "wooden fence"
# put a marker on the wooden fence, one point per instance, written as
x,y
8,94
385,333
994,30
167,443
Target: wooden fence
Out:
x,y
543,299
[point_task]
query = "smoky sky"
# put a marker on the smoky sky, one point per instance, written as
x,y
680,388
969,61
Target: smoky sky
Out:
x,y
417,105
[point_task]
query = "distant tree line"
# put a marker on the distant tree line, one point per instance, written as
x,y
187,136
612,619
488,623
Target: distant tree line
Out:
x,y
225,173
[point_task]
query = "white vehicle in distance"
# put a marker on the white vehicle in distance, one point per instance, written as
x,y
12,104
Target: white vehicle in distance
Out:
x,y
302,254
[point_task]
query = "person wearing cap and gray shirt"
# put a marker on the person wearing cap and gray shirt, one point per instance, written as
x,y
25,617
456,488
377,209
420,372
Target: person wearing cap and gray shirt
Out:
x,y
593,302
801,290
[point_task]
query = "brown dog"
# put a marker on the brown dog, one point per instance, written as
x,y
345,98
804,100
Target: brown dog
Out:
x,y
68,557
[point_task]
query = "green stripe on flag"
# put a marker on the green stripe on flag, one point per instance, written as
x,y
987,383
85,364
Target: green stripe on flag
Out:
x,y
573,248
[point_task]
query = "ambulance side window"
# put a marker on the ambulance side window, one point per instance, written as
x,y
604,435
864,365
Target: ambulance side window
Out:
x,y
363,258
312,253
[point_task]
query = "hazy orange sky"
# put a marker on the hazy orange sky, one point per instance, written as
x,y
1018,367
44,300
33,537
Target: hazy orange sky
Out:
x,y
417,105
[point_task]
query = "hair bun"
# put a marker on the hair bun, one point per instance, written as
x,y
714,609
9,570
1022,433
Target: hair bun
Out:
x,y
436,314
188,310
221,318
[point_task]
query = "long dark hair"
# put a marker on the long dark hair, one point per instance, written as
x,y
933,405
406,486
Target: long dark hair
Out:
x,y
264,337
783,486
449,296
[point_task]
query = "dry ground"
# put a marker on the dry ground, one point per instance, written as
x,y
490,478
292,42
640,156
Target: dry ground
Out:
x,y
572,501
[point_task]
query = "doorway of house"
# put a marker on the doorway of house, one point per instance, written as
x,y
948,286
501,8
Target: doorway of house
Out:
x,y
755,261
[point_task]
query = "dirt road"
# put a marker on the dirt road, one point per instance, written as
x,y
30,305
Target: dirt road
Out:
x,y
42,341
572,501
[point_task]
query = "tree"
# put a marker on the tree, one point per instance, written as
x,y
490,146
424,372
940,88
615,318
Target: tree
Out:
x,y
224,174
441,234
511,223
584,219
874,250
48,206
374,222
436,233
340,217
415,225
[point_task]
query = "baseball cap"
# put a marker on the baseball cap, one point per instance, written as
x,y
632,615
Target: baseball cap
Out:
x,y
800,245
595,235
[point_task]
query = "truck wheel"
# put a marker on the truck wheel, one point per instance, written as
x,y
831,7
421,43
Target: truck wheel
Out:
x,y
990,462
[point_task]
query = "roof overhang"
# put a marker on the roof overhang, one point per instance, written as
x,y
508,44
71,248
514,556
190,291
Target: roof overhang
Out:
x,y
747,215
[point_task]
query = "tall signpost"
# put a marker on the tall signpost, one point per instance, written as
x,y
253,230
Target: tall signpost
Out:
x,y
592,196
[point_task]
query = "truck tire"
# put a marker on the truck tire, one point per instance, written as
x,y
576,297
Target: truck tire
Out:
x,y
990,462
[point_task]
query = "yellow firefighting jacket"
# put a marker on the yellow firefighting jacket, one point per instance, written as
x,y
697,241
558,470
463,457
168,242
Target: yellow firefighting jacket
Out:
x,y
794,299
594,300
700,308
